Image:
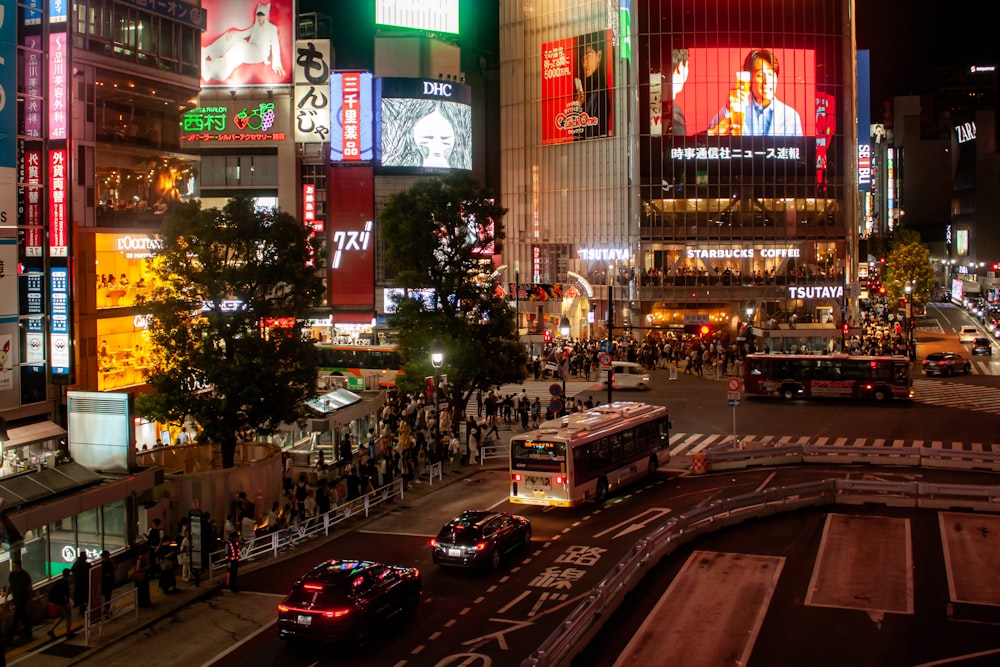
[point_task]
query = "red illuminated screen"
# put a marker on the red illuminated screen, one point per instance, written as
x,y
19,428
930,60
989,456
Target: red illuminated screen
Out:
x,y
712,88
577,82
247,43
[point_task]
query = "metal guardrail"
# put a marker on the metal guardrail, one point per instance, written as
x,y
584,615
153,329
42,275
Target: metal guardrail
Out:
x,y
490,452
925,457
126,602
587,618
273,544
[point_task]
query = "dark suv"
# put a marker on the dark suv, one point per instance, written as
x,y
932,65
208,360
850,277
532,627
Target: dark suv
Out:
x,y
478,538
946,363
982,346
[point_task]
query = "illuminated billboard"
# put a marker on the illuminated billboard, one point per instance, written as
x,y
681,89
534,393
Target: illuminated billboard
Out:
x,y
423,123
426,15
577,86
238,123
247,43
351,251
351,117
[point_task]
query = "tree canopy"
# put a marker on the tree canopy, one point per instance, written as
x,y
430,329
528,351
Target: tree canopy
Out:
x,y
909,263
441,234
231,288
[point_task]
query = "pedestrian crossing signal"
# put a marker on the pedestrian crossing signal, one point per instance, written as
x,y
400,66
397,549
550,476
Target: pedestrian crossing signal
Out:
x,y
704,330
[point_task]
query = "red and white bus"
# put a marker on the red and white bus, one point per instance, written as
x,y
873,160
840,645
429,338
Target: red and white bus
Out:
x,y
585,455
360,366
827,376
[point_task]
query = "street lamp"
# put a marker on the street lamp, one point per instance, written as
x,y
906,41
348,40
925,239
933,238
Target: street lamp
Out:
x,y
437,358
564,330
908,308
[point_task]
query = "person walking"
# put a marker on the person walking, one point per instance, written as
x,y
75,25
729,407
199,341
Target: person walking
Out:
x,y
20,592
233,561
184,555
107,581
59,597
81,582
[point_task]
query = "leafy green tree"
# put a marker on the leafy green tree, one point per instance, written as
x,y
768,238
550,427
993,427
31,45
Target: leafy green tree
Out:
x,y
220,277
909,263
440,234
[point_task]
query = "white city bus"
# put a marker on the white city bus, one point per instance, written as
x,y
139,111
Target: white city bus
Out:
x,y
586,455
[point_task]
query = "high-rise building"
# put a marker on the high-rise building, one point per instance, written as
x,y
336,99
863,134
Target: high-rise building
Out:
x,y
699,163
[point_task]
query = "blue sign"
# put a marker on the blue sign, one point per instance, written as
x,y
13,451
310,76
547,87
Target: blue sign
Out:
x,y
8,83
734,403
556,406
59,353
57,11
555,389
605,345
33,13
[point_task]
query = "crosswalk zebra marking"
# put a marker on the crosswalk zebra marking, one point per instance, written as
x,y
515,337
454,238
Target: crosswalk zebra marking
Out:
x,y
686,444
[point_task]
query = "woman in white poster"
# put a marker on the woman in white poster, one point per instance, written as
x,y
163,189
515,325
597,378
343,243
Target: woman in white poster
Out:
x,y
255,44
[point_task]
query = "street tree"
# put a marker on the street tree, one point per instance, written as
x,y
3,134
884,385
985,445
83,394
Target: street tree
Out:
x,y
441,235
909,263
230,291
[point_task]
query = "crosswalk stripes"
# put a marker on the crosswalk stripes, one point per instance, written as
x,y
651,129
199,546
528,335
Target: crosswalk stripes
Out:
x,y
686,444
957,395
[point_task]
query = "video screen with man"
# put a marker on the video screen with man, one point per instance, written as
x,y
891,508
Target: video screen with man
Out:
x,y
746,91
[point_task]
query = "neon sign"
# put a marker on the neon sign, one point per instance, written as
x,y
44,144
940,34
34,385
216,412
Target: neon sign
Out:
x,y
213,124
58,234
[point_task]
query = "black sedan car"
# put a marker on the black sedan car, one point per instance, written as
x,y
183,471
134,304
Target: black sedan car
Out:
x,y
982,346
477,538
344,600
946,363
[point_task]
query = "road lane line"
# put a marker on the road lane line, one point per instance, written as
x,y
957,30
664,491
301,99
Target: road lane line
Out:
x,y
240,643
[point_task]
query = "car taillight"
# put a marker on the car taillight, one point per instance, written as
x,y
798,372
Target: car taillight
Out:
x,y
517,477
336,613
283,608
559,479
481,546
434,542
313,587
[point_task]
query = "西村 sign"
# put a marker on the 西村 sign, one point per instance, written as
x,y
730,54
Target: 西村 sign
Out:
x,y
250,123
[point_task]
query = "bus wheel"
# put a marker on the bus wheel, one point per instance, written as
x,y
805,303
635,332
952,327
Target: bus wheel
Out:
x,y
602,490
653,463
881,395
788,392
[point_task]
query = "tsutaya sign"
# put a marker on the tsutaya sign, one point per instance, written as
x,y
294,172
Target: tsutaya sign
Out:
x,y
740,253
816,292
603,253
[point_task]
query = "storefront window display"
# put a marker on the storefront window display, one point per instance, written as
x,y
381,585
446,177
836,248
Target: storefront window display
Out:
x,y
122,267
123,353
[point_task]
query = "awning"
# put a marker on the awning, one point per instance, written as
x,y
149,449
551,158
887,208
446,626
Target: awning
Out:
x,y
361,317
343,416
33,433
37,484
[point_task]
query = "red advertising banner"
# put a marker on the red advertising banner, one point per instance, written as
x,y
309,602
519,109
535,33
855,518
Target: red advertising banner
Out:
x,y
247,43
33,203
577,87
58,233
350,215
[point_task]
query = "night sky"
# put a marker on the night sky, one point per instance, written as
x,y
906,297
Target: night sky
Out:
x,y
908,38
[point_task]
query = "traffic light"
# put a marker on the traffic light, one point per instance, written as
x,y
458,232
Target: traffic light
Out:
x,y
845,328
881,289
704,330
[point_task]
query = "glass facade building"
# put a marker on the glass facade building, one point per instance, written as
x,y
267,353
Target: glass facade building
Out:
x,y
725,182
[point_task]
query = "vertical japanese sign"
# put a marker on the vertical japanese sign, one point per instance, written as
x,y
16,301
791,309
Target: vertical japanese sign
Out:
x,y
864,121
59,311
58,108
33,86
58,233
309,214
312,90
351,117
351,212
57,11
32,203
34,343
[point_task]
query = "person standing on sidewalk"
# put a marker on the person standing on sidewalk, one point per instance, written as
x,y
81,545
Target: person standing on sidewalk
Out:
x,y
140,575
233,561
20,592
107,581
81,582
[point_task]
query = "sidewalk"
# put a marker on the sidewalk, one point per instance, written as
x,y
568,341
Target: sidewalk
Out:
x,y
45,652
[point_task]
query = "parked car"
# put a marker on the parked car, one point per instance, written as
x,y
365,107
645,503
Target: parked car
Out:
x,y
946,363
627,375
344,600
478,538
968,333
982,345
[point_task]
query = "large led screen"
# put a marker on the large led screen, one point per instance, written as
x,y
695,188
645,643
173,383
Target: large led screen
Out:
x,y
577,88
423,123
740,92
351,117
247,43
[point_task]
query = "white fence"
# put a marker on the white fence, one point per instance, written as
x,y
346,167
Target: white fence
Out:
x,y
272,544
125,603
494,452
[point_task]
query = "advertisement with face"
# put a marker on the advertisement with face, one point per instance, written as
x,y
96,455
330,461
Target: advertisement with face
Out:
x,y
577,85
247,43
424,124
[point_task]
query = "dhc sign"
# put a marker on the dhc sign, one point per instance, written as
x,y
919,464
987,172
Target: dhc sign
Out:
x,y
817,292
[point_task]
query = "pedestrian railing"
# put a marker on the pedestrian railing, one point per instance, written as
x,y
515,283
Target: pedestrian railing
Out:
x,y
125,603
435,470
494,452
926,457
271,545
587,618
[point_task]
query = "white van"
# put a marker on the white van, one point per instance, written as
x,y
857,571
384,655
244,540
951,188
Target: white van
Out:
x,y
627,375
